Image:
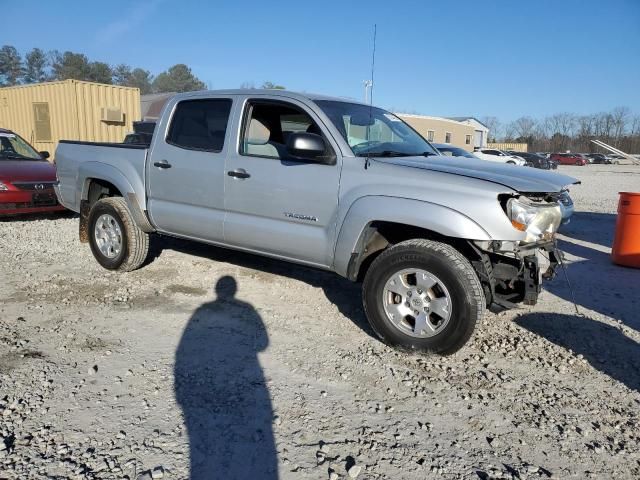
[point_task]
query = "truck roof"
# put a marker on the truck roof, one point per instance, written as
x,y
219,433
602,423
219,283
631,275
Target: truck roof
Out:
x,y
267,91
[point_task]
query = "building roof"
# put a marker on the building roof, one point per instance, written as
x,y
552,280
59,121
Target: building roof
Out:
x,y
464,119
427,117
65,82
151,105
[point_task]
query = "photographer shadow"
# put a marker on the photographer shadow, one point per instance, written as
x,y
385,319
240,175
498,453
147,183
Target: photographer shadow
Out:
x,y
220,386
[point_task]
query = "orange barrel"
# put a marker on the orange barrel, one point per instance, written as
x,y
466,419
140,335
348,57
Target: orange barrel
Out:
x,y
626,244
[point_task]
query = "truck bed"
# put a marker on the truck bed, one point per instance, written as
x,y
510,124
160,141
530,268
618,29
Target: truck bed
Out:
x,y
121,164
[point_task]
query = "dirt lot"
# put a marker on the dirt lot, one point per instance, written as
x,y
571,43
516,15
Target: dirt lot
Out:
x,y
105,375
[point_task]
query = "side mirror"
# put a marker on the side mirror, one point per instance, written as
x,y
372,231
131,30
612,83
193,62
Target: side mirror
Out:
x,y
307,146
44,154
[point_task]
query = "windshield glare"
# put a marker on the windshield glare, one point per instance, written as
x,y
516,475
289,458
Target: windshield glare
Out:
x,y
13,147
372,131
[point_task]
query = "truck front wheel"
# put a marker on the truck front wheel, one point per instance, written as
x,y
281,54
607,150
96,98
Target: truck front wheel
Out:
x,y
117,243
423,295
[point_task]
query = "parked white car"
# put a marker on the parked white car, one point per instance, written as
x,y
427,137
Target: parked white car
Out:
x,y
494,155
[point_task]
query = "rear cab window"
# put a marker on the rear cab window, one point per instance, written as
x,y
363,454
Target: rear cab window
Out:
x,y
200,124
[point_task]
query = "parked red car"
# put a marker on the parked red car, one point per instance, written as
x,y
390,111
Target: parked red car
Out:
x,y
569,159
26,177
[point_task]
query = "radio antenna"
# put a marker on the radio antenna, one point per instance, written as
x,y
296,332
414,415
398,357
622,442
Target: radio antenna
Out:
x,y
373,64
370,85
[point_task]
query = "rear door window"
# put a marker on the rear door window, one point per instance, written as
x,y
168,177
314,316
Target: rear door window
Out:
x,y
200,124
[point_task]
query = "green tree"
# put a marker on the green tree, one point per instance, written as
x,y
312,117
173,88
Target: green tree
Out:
x,y
70,65
272,86
99,72
178,78
35,66
10,65
141,79
121,74
138,78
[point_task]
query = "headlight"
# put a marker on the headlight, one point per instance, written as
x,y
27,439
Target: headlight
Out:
x,y
3,187
540,221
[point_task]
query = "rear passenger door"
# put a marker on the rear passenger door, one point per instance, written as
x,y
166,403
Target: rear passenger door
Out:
x,y
276,204
185,174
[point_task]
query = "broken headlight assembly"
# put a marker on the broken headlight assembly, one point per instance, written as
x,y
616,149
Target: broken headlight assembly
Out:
x,y
539,219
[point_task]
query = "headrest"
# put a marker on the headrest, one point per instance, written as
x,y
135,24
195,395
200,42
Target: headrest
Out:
x,y
258,133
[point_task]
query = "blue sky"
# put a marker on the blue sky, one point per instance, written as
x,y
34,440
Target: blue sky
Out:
x,y
503,58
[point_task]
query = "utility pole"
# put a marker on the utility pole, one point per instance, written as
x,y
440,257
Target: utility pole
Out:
x,y
367,88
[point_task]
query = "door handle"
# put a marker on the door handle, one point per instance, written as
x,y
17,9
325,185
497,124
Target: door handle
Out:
x,y
162,164
240,173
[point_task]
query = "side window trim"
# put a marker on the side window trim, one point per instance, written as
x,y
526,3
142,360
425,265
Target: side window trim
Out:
x,y
171,121
247,111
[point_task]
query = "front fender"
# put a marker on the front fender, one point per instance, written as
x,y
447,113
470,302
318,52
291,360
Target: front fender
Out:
x,y
417,213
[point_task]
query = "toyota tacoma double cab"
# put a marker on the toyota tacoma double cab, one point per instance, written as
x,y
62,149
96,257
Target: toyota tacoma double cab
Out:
x,y
332,184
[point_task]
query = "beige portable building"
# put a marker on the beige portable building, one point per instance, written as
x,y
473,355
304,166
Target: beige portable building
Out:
x,y
45,113
441,130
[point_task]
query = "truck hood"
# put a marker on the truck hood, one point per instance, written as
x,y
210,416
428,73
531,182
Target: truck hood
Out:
x,y
520,179
27,171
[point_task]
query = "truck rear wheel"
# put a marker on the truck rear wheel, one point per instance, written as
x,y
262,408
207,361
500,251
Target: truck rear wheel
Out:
x,y
117,243
423,295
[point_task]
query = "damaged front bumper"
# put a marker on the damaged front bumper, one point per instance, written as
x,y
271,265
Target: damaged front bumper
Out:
x,y
511,273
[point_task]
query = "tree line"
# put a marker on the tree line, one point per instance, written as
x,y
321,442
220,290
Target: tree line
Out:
x,y
40,66
619,128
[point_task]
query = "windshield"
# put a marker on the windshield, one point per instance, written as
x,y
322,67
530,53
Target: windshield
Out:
x,y
12,147
371,131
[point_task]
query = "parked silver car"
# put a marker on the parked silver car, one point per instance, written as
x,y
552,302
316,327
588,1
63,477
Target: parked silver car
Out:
x,y
332,184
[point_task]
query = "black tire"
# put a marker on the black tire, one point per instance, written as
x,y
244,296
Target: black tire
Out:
x,y
511,163
456,273
135,242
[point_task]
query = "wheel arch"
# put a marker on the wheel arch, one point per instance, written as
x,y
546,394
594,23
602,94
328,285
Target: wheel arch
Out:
x,y
375,222
100,180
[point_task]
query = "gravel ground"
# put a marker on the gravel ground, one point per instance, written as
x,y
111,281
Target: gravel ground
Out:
x,y
136,375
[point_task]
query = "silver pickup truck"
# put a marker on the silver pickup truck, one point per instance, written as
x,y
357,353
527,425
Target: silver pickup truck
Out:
x,y
333,184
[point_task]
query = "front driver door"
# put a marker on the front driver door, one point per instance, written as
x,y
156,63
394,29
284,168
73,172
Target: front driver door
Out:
x,y
276,204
